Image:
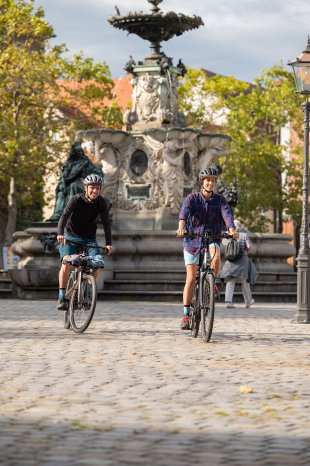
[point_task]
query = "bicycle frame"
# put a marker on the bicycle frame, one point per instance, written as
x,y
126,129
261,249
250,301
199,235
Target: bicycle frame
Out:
x,y
204,267
78,282
75,292
203,302
207,259
77,275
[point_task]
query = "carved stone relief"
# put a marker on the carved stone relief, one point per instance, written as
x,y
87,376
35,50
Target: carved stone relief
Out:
x,y
141,174
147,101
154,100
110,163
210,148
155,169
175,152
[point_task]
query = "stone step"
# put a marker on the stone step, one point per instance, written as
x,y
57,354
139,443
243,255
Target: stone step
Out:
x,y
166,285
177,285
158,284
142,295
152,295
149,274
179,274
5,285
5,293
145,285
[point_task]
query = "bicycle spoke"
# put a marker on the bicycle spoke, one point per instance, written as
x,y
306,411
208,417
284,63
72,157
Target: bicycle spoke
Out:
x,y
207,307
68,294
195,313
81,312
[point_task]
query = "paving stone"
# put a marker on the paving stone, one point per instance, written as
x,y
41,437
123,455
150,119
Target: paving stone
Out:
x,y
135,389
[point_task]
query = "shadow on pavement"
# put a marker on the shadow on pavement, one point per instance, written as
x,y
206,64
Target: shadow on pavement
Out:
x,y
40,443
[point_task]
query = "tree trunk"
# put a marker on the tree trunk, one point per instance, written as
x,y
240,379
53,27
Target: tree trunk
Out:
x,y
12,214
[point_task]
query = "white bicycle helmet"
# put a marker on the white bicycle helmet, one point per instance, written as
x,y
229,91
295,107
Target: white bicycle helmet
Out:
x,y
210,171
93,179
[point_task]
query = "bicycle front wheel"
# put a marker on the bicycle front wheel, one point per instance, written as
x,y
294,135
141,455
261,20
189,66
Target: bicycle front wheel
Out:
x,y
81,312
195,312
207,306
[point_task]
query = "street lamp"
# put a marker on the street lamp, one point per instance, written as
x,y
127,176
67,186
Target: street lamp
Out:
x,y
301,68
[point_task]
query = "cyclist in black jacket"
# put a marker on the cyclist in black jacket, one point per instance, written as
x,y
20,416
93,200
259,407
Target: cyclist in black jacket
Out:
x,y
78,223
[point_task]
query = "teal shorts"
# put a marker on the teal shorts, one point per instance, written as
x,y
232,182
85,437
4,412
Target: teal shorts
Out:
x,y
69,249
193,259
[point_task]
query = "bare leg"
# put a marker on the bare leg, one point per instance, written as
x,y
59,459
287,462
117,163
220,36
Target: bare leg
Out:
x,y
64,273
189,284
216,261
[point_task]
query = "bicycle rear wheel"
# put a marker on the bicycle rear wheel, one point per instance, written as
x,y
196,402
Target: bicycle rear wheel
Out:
x,y
207,306
81,313
67,297
195,312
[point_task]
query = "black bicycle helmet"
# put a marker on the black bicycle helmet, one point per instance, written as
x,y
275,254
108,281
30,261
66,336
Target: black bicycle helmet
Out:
x,y
93,179
210,171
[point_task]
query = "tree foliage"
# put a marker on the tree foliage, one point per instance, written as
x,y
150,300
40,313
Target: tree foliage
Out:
x,y
42,94
253,116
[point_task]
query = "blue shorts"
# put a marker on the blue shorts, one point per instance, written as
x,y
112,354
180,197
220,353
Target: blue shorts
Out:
x,y
68,249
193,259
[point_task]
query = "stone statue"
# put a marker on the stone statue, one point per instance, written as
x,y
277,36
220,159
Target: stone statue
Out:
x,y
230,192
110,163
164,63
173,174
74,170
147,98
182,67
129,67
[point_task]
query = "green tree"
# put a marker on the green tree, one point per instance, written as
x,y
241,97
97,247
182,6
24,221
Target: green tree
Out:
x,y
252,115
42,94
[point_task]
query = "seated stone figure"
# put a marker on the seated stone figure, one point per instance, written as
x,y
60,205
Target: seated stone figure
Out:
x,y
74,170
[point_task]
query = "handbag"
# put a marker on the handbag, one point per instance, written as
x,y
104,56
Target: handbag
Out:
x,y
232,250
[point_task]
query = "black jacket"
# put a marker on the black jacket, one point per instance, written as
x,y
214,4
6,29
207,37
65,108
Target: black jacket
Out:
x,y
80,218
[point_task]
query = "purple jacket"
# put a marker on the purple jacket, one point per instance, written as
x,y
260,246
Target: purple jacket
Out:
x,y
201,214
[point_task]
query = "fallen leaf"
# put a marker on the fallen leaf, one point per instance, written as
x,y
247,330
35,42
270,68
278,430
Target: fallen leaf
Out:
x,y
245,389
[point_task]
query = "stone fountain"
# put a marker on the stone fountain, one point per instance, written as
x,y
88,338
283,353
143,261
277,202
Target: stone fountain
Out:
x,y
150,166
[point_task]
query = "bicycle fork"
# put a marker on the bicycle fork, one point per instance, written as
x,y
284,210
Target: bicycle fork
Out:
x,y
79,287
207,270
202,284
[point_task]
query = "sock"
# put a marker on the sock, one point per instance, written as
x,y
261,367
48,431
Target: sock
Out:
x,y
186,310
62,292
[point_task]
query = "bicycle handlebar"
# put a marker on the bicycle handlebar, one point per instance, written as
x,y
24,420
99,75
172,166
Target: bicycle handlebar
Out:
x,y
207,235
104,249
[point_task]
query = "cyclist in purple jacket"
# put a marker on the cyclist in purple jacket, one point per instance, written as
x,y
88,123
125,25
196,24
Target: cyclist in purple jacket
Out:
x,y
203,210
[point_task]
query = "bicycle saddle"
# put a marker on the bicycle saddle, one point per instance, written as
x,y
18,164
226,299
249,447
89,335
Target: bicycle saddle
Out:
x,y
76,260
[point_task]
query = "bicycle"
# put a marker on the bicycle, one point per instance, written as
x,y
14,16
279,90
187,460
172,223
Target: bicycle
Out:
x,y
81,290
202,307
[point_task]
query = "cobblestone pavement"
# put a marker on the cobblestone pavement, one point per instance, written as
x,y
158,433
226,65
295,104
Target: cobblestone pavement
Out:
x,y
136,390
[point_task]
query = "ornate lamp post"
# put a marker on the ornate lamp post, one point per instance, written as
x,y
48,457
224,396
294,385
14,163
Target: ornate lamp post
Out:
x,y
301,68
